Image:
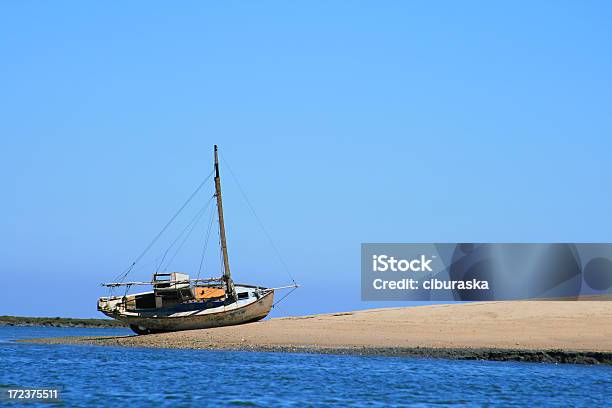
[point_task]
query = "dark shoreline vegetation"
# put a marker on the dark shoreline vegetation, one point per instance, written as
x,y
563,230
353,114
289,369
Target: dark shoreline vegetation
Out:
x,y
490,354
551,356
58,322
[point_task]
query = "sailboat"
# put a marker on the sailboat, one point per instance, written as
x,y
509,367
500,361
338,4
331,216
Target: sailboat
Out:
x,y
178,302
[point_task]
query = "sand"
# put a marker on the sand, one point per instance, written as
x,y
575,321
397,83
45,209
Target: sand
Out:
x,y
540,329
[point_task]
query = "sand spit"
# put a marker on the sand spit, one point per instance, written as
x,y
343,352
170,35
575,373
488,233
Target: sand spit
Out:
x,y
546,331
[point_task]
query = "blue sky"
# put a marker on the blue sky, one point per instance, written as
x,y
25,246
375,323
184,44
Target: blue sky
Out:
x,y
345,122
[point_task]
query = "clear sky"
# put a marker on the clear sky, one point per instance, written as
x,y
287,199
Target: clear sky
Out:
x,y
345,122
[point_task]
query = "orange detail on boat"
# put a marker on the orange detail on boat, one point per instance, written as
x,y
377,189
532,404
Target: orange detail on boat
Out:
x,y
202,292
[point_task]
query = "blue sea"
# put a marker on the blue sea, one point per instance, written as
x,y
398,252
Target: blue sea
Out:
x,y
134,377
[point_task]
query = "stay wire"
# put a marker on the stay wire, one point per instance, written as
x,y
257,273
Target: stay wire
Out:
x,y
259,221
191,225
210,223
124,274
281,299
221,260
195,224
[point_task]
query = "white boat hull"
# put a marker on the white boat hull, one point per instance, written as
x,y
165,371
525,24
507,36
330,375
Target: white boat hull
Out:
x,y
161,320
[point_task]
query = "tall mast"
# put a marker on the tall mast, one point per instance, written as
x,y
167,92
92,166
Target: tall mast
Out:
x,y
227,276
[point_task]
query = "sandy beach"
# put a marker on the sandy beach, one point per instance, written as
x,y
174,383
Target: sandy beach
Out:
x,y
527,330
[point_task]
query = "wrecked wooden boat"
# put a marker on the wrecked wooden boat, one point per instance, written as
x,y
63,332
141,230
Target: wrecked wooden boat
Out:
x,y
177,302
180,303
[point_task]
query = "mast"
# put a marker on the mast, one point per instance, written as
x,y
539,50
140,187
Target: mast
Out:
x,y
227,276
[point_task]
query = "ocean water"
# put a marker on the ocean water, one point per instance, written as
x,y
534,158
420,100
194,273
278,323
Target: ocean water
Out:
x,y
134,377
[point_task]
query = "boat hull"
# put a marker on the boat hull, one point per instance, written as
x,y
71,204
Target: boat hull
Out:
x,y
229,315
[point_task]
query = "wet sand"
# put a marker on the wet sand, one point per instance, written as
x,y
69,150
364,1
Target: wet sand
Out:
x,y
553,331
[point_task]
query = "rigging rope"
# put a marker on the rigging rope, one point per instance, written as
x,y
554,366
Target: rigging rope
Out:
x,y
147,264
210,223
221,261
192,224
282,261
281,299
125,273
197,221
